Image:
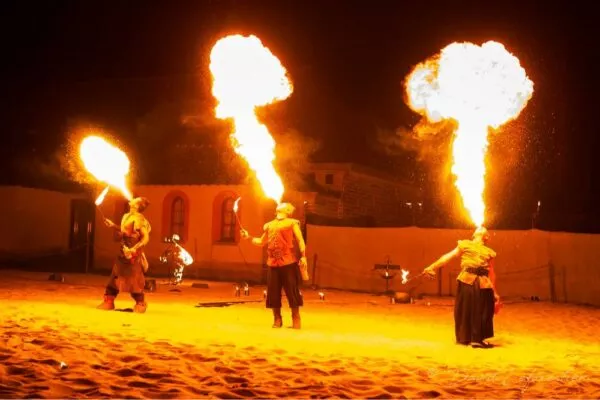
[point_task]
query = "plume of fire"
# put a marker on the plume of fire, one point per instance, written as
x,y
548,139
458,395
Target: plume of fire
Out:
x,y
106,163
479,87
247,75
404,276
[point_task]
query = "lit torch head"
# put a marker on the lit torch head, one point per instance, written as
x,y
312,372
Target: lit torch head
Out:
x,y
479,87
247,75
102,195
106,162
236,205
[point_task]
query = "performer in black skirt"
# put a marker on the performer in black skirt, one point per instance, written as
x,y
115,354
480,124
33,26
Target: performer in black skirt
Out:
x,y
476,294
286,260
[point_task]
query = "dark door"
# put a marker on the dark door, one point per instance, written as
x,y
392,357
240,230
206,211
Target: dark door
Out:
x,y
81,240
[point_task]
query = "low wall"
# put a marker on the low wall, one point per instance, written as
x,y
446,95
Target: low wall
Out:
x,y
553,266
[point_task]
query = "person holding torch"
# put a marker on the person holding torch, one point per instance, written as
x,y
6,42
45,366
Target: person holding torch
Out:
x,y
131,265
286,267
476,297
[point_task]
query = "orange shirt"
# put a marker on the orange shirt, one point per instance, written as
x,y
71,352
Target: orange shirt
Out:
x,y
280,242
475,255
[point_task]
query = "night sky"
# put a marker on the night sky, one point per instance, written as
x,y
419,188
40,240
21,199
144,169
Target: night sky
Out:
x,y
112,62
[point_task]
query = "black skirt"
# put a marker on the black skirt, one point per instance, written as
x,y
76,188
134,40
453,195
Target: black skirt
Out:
x,y
287,278
473,313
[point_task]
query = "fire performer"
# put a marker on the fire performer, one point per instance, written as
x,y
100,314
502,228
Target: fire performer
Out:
x,y
476,295
131,264
285,269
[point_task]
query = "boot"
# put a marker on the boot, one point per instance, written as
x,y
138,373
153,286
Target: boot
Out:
x,y
140,307
277,320
296,323
140,303
108,303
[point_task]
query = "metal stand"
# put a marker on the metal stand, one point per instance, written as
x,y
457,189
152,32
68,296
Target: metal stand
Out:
x,y
386,274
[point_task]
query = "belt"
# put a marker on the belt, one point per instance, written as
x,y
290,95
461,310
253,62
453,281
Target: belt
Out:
x,y
479,271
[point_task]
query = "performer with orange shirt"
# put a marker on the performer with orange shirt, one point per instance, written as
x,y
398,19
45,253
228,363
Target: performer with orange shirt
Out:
x,y
286,269
476,298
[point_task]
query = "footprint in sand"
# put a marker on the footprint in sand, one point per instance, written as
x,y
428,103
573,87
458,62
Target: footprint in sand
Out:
x,y
83,381
126,372
235,379
224,370
153,375
128,359
141,384
429,394
394,389
14,370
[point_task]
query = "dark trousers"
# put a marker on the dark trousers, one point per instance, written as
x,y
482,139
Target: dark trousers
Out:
x,y
287,278
473,313
114,292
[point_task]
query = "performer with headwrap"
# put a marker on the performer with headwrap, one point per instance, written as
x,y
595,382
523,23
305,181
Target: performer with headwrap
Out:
x,y
476,295
286,269
131,264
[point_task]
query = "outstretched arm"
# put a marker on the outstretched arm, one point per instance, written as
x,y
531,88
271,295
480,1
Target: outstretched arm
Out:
x,y
443,260
259,241
111,224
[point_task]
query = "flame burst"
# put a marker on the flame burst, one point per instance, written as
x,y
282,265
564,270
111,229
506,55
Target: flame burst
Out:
x,y
479,87
107,163
247,75
405,276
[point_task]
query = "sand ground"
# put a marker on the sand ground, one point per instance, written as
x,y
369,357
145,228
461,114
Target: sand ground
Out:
x,y
55,344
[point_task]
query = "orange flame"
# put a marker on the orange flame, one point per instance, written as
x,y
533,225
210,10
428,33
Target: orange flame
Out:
x,y
107,163
247,75
404,276
479,87
236,205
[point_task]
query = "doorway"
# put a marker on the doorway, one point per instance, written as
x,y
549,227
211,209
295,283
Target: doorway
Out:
x,y
81,237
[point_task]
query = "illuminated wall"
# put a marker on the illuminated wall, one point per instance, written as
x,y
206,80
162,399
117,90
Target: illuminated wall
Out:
x,y
34,221
563,266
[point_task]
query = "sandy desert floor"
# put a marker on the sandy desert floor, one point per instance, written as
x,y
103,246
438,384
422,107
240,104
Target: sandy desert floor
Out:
x,y
55,344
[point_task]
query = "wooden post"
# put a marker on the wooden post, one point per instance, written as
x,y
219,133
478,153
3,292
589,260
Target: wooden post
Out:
x,y
440,282
87,246
551,282
314,269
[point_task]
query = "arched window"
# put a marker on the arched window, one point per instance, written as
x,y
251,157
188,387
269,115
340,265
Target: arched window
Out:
x,y
228,222
225,226
177,216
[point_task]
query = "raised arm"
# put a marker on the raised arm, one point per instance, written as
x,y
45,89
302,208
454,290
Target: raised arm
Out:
x,y
443,260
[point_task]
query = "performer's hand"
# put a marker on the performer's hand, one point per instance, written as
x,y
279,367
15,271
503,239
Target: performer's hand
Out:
x,y
244,233
108,222
303,263
496,297
430,272
127,252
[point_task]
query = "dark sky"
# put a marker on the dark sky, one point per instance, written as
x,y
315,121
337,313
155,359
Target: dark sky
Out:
x,y
114,60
